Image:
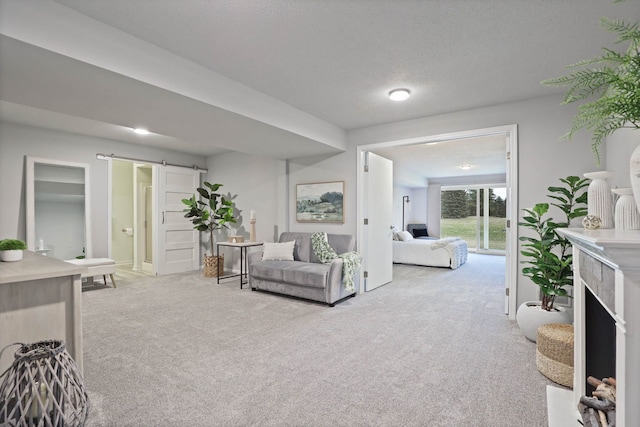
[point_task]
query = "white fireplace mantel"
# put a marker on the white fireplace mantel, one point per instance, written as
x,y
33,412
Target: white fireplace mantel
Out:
x,y
618,250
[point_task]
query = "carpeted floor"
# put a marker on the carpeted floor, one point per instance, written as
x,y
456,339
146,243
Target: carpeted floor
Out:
x,y
430,349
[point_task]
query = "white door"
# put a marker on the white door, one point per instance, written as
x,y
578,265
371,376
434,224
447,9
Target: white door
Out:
x,y
379,215
512,215
177,244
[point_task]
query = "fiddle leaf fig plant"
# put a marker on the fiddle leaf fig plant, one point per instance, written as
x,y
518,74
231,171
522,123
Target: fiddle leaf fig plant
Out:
x,y
612,81
548,254
211,213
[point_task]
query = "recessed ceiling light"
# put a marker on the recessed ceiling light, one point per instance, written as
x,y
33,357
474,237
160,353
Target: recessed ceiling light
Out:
x,y
465,166
399,94
141,131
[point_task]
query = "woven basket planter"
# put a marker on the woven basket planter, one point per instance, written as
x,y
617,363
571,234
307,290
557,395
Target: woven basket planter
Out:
x,y
554,353
43,388
213,266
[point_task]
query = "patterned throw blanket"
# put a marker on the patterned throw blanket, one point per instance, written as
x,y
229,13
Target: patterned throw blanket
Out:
x,y
325,253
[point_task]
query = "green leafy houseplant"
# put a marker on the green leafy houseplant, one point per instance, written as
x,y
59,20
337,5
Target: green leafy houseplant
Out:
x,y
12,245
211,214
613,79
549,254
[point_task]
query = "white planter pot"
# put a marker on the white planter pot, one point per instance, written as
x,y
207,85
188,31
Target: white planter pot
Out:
x,y
13,255
530,316
626,215
600,198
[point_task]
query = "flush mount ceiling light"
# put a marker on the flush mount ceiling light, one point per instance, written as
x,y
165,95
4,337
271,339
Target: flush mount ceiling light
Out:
x,y
465,166
141,131
399,94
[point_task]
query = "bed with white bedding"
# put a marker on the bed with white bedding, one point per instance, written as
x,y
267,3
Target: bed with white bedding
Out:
x,y
449,252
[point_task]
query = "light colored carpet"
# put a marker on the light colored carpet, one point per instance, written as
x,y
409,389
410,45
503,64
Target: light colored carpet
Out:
x,y
431,348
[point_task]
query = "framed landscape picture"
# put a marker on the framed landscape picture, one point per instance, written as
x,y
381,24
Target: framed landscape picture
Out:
x,y
320,202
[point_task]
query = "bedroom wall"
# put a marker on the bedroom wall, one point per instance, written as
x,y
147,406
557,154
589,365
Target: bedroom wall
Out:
x,y
433,209
18,141
399,192
420,205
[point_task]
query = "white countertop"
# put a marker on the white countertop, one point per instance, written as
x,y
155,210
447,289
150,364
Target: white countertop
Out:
x,y
34,267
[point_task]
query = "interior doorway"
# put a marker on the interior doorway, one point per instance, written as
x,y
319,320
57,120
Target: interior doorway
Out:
x,y
132,216
511,175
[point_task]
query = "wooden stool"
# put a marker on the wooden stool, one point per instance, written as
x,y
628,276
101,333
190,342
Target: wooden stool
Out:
x,y
97,267
554,353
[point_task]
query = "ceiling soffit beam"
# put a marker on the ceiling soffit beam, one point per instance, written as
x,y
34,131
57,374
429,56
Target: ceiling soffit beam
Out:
x,y
54,27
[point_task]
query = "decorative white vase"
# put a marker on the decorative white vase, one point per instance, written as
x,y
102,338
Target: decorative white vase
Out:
x,y
530,316
12,255
627,216
634,174
600,201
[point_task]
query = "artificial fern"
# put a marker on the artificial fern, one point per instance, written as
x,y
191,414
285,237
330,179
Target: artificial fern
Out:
x,y
615,85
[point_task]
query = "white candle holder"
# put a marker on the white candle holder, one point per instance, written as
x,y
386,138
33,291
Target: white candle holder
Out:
x,y
627,216
600,201
252,234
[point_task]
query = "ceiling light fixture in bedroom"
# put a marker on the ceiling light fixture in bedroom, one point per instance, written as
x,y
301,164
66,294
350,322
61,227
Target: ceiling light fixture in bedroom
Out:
x,y
465,166
399,94
141,131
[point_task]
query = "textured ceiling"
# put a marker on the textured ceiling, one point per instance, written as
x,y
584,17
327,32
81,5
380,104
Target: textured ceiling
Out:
x,y
337,59
415,165
331,61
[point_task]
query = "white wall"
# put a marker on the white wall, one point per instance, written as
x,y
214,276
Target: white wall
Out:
x,y
18,141
618,150
420,204
341,167
254,183
433,210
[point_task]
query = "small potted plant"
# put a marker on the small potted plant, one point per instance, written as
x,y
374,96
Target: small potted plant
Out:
x,y
549,256
209,215
11,249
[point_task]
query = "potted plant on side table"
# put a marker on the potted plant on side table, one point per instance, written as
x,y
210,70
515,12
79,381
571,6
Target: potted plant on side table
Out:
x,y
549,255
209,215
12,249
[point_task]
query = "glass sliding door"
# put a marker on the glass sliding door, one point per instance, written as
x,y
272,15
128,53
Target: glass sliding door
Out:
x,y
477,214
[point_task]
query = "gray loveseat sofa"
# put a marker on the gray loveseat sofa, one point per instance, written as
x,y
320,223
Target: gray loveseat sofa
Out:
x,y
304,277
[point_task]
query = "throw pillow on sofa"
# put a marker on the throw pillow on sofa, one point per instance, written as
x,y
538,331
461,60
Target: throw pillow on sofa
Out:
x,y
278,251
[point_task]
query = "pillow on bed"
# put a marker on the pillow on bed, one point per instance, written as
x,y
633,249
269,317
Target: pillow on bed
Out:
x,y
278,251
420,232
405,236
